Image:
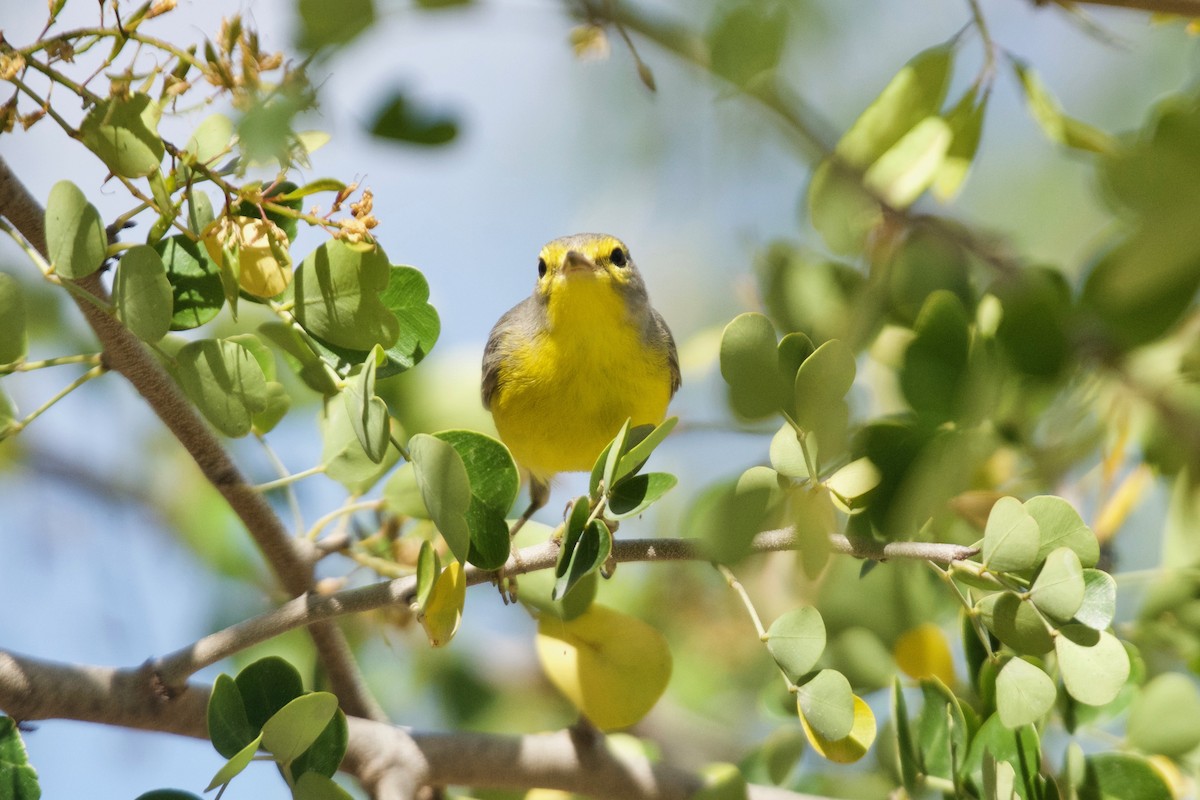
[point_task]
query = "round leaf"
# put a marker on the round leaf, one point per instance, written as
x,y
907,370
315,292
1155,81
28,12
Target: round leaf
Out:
x,y
923,652
142,294
266,686
611,666
854,746
1024,693
75,235
292,729
1099,599
1122,776
826,704
342,454
1061,526
1015,622
748,365
1165,716
1094,665
228,726
494,483
225,382
1011,539
337,290
445,488
123,132
1058,590
796,640
841,210
195,282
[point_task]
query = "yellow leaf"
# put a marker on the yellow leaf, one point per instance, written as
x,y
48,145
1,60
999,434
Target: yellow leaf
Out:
x,y
1123,501
852,747
611,666
264,264
443,609
923,652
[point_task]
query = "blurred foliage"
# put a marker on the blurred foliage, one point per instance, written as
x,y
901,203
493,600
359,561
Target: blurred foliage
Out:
x,y
925,384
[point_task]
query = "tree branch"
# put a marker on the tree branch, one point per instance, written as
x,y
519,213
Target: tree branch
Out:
x,y
125,354
173,669
390,762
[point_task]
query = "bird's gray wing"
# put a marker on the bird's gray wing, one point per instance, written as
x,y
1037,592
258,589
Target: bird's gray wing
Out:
x,y
661,332
517,324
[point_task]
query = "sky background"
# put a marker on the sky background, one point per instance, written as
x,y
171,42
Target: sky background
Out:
x,y
694,180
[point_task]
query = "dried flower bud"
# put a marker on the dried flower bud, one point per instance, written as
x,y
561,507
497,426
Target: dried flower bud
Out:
x,y
160,7
12,64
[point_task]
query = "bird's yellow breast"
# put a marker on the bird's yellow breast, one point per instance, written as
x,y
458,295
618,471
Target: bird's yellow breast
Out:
x,y
567,391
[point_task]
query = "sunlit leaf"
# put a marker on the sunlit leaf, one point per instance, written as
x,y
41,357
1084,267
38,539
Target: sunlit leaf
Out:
x,y
852,747
924,652
75,235
292,729
17,776
234,766
315,786
225,382
1059,588
1024,693
796,639
123,132
337,291
908,168
13,339
142,294
445,488
966,127
1093,664
443,610
1011,538
1117,776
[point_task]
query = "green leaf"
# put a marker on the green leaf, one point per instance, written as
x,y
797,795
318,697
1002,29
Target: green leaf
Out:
x,y
13,340
935,363
368,414
1034,325
18,779
1122,776
1165,716
633,496
142,294
307,365
1015,622
787,458
315,786
494,483
212,139
727,516
1024,693
1093,664
796,640
1019,747
343,456
266,686
225,382
1099,599
123,132
1011,537
924,263
402,494
827,704
314,187
195,281
854,481
1058,590
841,210
1061,526
586,556
228,727
278,404
910,767
537,588
75,235
721,782
399,118
1048,114
748,365
747,39
641,443
942,731
908,168
292,729
234,766
337,293
820,385
915,93
445,488
966,128
164,794
428,568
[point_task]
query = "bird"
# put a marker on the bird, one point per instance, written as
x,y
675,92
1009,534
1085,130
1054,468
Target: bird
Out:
x,y
566,367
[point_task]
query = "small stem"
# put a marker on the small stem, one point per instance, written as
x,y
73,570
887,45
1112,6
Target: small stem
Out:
x,y
968,608
45,104
29,366
16,427
349,508
399,447
281,468
989,46
289,479
744,596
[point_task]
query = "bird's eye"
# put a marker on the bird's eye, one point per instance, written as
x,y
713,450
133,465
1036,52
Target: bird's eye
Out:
x,y
541,267
618,257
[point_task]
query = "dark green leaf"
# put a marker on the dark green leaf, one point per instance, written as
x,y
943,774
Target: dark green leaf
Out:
x,y
811,295
337,297
494,483
324,24
142,294
18,779
935,364
941,731
640,444
228,727
727,516
923,264
75,235
195,281
537,588
401,119
1019,747
1033,325
587,555
123,132
163,794
634,495
266,686
446,489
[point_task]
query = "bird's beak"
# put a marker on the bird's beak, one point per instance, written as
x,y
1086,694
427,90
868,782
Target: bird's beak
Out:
x,y
575,261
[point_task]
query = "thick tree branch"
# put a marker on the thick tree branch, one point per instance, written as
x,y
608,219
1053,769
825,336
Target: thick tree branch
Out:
x,y
308,609
125,354
390,762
